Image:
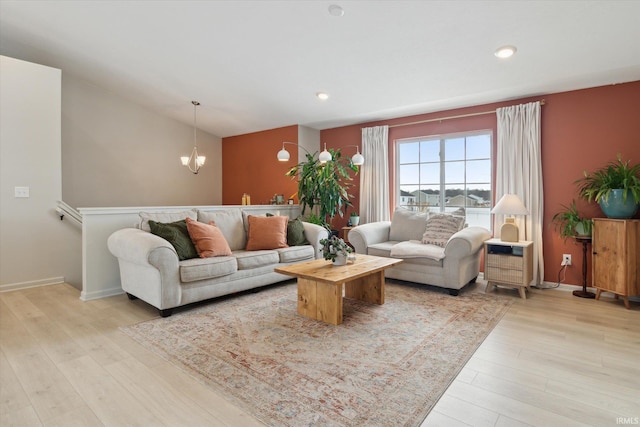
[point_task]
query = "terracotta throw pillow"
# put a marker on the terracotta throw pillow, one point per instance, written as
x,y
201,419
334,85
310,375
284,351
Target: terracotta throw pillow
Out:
x,y
267,232
440,227
208,239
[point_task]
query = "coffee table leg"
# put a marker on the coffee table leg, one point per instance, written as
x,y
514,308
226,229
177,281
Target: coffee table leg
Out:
x,y
307,298
369,289
320,301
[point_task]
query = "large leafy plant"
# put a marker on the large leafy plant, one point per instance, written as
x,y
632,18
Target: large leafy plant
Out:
x,y
324,186
615,175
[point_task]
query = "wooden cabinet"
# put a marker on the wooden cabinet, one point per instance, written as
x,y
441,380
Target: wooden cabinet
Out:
x,y
508,263
615,262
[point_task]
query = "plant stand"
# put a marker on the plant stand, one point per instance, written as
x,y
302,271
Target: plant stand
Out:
x,y
585,240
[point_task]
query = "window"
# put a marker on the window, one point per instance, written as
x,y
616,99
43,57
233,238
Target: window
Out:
x,y
443,173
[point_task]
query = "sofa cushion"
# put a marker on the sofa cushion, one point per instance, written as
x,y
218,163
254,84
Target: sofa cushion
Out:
x,y
196,269
164,217
267,233
381,249
296,253
255,259
416,249
295,233
208,239
230,224
407,225
177,234
440,228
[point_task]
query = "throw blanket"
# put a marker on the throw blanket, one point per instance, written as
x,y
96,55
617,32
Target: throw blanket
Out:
x,y
416,249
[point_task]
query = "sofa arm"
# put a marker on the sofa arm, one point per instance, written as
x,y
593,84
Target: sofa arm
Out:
x,y
135,245
314,233
365,235
466,242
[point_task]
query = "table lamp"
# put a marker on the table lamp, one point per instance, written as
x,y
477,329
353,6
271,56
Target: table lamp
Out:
x,y
509,204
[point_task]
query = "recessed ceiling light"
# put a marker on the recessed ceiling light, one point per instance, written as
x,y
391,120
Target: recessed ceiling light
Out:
x,y
505,51
336,10
322,96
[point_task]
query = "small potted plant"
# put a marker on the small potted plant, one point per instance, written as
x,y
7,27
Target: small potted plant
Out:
x,y
355,219
615,187
336,250
570,223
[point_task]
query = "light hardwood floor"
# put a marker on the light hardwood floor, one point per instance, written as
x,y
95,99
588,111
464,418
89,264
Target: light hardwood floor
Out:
x,y
553,360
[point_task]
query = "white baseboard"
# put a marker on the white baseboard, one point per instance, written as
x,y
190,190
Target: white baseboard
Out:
x,y
88,296
31,284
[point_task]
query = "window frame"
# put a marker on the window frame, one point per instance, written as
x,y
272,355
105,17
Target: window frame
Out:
x,y
443,184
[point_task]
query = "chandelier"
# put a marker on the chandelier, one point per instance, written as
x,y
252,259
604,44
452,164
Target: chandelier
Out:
x,y
194,161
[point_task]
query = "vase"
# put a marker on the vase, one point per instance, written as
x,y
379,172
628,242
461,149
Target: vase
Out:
x,y
580,230
355,220
341,259
615,208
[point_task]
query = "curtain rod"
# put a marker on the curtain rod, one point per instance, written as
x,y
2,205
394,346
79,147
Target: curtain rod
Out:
x,y
542,102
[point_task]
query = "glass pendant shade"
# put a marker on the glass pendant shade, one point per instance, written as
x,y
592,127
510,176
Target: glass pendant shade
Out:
x,y
194,161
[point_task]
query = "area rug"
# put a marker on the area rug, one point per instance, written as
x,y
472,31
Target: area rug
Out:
x,y
385,365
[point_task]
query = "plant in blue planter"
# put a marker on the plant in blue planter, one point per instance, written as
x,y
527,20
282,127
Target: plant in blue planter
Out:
x,y
615,187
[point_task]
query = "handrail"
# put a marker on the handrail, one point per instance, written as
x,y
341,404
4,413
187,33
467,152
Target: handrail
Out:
x,y
63,209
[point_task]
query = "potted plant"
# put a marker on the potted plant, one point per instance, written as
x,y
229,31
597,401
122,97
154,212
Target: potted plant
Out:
x,y
324,186
615,187
336,250
570,223
355,219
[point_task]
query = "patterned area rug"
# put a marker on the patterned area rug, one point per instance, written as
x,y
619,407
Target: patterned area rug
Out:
x,y
384,366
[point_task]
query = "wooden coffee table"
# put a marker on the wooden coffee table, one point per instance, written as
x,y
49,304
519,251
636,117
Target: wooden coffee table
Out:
x,y
320,284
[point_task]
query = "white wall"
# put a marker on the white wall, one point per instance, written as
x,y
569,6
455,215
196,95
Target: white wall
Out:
x,y
117,153
35,246
310,140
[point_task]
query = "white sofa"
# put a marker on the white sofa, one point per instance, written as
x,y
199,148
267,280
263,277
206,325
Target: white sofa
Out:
x,y
150,268
452,265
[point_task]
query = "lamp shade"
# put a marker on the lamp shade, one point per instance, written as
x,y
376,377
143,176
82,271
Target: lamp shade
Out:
x,y
510,204
325,156
358,159
283,155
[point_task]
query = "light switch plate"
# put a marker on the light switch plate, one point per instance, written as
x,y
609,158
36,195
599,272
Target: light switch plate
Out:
x,y
21,192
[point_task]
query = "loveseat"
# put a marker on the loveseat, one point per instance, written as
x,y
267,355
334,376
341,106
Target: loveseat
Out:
x,y
438,249
151,267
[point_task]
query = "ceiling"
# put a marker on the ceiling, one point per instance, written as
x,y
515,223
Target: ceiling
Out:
x,y
256,65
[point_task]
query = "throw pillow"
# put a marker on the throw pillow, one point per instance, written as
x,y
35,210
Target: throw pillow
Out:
x,y
440,227
177,234
460,212
208,239
407,225
267,232
295,233
164,217
230,224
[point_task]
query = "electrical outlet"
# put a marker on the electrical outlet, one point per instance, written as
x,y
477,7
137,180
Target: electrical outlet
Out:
x,y
566,259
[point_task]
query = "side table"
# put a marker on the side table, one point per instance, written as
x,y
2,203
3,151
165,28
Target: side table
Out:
x,y
585,240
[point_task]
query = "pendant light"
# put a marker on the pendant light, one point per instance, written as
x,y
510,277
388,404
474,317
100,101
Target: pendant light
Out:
x,y
194,161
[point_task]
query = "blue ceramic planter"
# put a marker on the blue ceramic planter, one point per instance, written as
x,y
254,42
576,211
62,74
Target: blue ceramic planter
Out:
x,y
615,208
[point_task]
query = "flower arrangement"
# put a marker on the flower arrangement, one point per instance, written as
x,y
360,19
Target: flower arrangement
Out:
x,y
334,247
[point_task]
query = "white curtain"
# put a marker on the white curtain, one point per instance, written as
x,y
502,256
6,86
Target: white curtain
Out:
x,y
519,171
374,175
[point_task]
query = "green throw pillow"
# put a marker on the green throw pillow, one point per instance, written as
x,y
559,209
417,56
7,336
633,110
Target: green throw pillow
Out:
x,y
177,234
295,233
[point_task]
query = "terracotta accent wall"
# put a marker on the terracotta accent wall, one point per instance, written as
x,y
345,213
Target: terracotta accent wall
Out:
x,y
250,165
581,130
